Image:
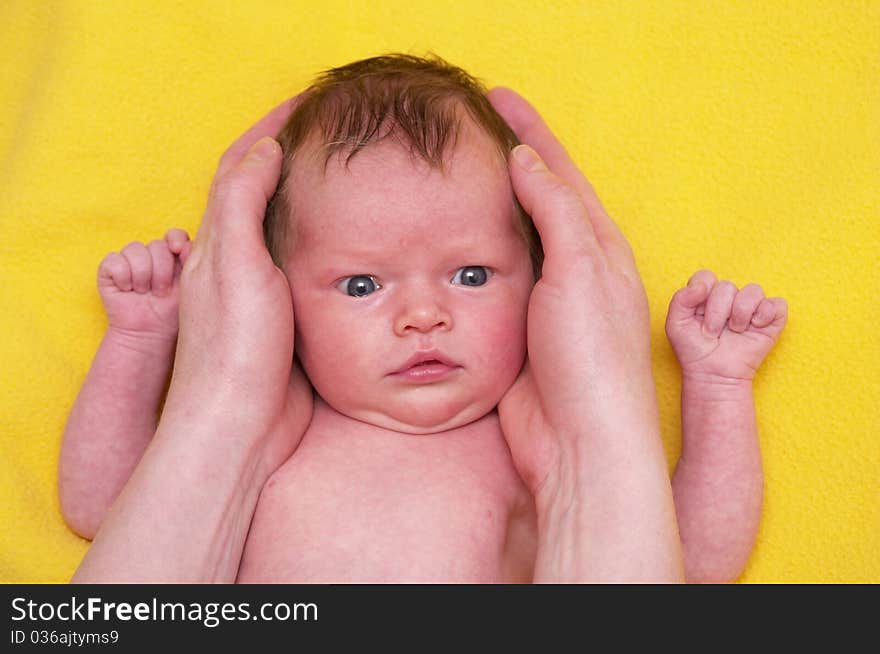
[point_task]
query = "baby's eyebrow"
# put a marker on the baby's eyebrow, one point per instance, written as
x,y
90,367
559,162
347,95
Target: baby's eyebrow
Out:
x,y
342,256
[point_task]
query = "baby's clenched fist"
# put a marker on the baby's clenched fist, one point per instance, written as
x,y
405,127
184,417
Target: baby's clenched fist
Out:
x,y
720,331
139,285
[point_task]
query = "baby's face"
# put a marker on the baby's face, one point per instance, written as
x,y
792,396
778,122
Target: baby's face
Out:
x,y
396,264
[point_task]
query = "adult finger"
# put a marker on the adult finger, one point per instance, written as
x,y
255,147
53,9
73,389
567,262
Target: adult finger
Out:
x,y
268,125
238,203
555,207
531,129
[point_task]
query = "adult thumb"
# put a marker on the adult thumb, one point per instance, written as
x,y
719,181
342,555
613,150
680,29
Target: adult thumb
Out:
x,y
239,198
555,207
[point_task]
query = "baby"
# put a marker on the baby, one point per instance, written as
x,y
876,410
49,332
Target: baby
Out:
x,y
410,265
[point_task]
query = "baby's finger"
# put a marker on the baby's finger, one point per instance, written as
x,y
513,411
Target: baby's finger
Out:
x,y
141,266
704,276
163,267
555,207
684,303
718,308
708,279
744,306
769,311
176,238
780,318
115,270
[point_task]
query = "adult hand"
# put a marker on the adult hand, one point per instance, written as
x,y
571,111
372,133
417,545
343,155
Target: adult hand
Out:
x,y
233,412
235,344
581,420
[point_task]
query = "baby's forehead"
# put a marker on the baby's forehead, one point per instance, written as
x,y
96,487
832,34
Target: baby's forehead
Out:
x,y
386,192
472,162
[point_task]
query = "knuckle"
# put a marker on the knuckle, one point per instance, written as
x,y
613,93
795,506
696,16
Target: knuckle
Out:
x,y
232,188
232,181
565,196
704,276
136,256
781,305
111,264
742,311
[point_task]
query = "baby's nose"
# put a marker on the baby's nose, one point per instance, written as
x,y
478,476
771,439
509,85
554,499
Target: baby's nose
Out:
x,y
422,314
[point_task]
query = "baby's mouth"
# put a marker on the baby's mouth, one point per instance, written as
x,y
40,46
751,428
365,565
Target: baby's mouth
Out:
x,y
426,366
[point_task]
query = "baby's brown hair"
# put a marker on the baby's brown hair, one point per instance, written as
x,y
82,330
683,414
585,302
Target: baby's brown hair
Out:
x,y
414,98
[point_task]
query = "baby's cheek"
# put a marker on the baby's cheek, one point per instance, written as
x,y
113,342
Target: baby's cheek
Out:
x,y
504,338
321,351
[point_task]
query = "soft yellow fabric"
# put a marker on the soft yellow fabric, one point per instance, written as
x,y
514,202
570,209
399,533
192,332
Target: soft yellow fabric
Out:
x,y
739,136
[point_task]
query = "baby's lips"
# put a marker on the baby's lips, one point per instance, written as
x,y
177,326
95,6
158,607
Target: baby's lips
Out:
x,y
423,356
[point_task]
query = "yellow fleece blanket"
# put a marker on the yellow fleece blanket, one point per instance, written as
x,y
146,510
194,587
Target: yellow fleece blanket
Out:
x,y
743,137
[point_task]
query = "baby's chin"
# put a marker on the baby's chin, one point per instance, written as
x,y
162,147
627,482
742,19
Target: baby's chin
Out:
x,y
421,419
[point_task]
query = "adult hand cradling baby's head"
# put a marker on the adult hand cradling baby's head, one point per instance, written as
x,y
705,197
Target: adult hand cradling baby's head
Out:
x,y
587,385
235,345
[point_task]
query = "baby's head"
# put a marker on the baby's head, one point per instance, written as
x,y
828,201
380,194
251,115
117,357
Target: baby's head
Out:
x,y
409,259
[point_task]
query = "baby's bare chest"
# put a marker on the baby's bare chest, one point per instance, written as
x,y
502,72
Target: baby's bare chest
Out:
x,y
358,508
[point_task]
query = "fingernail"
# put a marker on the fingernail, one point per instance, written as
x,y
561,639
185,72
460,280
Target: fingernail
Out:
x,y
263,149
528,159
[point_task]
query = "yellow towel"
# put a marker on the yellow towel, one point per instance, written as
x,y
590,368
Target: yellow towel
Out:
x,y
743,137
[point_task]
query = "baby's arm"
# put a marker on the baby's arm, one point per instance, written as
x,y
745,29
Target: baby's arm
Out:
x,y
720,336
115,414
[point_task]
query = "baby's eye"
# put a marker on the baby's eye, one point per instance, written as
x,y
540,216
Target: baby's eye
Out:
x,y
358,285
472,276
